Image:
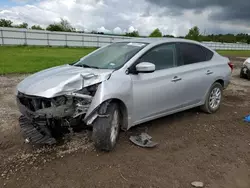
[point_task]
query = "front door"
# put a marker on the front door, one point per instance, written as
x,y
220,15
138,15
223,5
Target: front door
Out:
x,y
156,93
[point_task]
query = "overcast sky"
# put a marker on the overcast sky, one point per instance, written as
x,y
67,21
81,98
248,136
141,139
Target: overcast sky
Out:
x,y
174,17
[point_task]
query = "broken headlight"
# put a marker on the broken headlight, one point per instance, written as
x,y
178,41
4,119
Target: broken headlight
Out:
x,y
58,101
83,99
90,90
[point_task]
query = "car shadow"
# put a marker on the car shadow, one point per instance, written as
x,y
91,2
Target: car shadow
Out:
x,y
163,121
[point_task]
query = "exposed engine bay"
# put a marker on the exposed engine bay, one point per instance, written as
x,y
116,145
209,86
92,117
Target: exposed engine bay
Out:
x,y
45,119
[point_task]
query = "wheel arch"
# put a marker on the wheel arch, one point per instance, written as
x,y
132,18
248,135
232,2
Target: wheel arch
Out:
x,y
101,109
124,112
205,107
220,81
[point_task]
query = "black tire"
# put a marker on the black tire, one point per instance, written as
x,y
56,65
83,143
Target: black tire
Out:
x,y
102,128
242,74
207,107
248,74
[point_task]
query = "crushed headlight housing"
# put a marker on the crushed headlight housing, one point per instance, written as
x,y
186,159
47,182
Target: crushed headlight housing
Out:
x,y
83,99
90,90
58,101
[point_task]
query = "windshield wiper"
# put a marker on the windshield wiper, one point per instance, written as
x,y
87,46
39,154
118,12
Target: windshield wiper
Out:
x,y
88,66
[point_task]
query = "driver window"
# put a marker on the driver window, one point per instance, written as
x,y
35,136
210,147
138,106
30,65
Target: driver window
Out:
x,y
163,56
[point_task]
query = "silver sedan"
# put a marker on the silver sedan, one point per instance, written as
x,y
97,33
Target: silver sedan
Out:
x,y
119,86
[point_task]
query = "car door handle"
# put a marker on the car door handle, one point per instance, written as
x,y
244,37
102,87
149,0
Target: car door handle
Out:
x,y
209,72
176,79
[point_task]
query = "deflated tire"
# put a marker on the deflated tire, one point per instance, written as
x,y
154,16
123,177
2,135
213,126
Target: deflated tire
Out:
x,y
106,128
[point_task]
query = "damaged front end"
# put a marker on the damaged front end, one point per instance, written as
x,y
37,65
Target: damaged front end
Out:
x,y
44,120
55,101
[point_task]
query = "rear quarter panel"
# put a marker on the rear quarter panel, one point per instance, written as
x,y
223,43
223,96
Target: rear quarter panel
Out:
x,y
221,71
221,67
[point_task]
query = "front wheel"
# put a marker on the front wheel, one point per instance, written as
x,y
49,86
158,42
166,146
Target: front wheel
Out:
x,y
213,99
106,128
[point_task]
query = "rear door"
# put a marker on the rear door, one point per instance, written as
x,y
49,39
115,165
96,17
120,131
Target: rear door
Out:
x,y
196,71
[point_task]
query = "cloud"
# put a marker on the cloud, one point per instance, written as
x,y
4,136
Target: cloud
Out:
x,y
117,30
103,29
173,17
131,29
84,14
20,1
229,10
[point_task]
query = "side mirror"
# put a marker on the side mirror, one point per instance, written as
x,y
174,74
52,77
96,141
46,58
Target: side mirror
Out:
x,y
145,67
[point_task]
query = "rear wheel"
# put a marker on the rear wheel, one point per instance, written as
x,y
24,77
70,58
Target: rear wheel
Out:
x,y
213,99
106,128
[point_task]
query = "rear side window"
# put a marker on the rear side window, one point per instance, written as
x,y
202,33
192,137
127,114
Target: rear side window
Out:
x,y
209,53
192,53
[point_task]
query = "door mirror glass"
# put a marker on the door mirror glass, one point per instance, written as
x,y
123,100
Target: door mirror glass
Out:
x,y
145,67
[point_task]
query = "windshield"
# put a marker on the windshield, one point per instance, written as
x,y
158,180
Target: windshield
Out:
x,y
113,56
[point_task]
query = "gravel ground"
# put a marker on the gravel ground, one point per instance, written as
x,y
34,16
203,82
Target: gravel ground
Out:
x,y
193,146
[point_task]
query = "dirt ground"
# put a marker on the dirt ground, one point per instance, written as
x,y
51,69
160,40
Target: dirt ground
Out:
x,y
193,146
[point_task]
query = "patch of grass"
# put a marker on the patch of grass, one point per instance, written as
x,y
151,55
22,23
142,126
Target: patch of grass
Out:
x,y
29,59
235,53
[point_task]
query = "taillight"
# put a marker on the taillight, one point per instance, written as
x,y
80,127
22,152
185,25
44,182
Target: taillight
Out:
x,y
231,65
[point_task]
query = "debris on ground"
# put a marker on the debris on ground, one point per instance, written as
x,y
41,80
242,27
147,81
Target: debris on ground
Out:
x,y
247,119
143,140
197,184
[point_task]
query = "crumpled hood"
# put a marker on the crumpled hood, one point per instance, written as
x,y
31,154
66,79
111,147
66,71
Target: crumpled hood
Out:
x,y
61,80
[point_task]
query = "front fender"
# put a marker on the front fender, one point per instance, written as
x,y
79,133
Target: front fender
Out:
x,y
117,87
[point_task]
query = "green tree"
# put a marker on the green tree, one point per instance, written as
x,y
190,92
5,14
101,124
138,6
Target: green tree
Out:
x,y
156,33
63,25
93,32
230,38
194,34
66,26
22,25
170,36
37,27
54,27
133,34
5,23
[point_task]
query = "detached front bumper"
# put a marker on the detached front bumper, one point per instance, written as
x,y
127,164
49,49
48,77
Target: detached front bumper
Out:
x,y
52,112
44,121
33,131
36,134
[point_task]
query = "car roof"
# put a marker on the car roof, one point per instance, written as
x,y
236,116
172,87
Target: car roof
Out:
x,y
160,40
156,41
